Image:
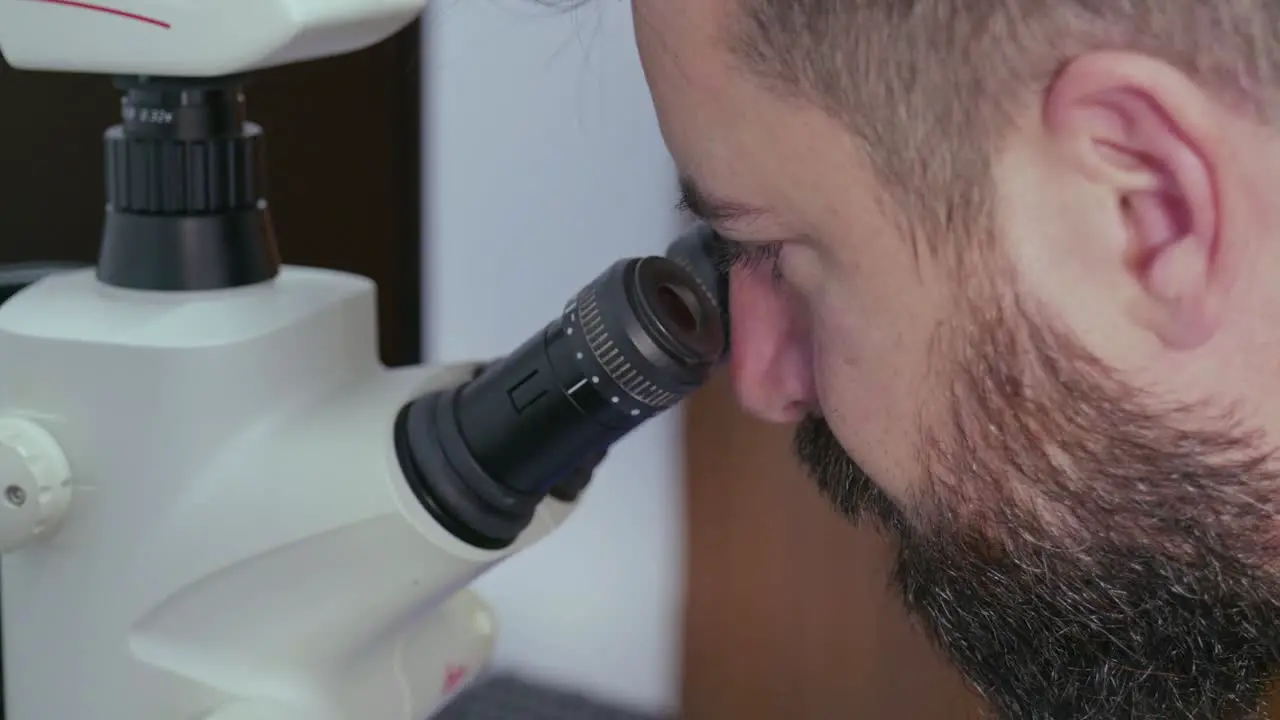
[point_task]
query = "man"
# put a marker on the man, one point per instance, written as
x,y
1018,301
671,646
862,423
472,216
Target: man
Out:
x,y
1015,269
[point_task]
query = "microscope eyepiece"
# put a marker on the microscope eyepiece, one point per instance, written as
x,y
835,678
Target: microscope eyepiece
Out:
x,y
673,314
696,251
645,334
630,344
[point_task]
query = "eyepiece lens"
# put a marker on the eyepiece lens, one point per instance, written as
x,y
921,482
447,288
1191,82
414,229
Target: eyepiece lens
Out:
x,y
679,308
677,314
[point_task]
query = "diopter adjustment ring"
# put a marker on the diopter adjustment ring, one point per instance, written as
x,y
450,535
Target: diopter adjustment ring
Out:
x,y
610,355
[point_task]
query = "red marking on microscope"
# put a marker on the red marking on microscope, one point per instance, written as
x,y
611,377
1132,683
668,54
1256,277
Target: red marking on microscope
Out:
x,y
453,676
109,11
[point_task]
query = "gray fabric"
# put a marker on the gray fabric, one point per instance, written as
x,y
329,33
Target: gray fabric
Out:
x,y
509,698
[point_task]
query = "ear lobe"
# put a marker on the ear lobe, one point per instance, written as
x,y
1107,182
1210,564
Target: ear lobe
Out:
x,y
1140,128
1182,306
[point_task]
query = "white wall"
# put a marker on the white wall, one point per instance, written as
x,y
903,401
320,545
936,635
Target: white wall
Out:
x,y
543,166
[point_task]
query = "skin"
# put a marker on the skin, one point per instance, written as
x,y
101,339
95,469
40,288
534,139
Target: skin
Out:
x,y
1071,438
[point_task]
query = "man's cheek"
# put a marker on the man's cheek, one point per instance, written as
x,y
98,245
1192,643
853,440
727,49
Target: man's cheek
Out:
x,y
863,409
841,388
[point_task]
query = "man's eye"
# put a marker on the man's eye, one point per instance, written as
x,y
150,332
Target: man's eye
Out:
x,y
730,254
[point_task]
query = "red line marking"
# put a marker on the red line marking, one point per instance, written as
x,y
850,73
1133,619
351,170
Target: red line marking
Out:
x,y
108,11
453,677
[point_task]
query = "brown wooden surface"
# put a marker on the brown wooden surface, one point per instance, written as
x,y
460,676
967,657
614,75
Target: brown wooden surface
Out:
x,y
788,612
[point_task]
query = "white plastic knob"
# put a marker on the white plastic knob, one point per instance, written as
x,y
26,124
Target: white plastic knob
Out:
x,y
35,483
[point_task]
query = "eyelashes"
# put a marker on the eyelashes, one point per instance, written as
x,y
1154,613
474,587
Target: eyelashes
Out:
x,y
730,254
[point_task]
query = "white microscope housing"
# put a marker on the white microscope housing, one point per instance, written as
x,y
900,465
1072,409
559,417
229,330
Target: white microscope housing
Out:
x,y
215,502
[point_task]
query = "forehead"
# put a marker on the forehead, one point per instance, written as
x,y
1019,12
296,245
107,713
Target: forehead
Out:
x,y
693,33
696,89
730,133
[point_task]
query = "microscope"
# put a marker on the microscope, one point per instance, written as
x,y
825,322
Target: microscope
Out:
x,y
215,502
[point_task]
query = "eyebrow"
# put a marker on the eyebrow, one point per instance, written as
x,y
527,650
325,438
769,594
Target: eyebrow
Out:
x,y
710,208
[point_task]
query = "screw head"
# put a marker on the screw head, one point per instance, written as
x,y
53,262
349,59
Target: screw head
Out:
x,y
15,495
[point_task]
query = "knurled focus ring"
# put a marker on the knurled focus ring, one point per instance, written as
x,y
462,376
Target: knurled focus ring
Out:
x,y
610,356
175,177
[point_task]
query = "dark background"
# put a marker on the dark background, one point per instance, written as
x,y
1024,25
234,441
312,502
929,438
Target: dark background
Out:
x,y
343,170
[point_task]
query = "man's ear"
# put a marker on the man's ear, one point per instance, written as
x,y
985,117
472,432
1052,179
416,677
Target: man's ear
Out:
x,y
1145,131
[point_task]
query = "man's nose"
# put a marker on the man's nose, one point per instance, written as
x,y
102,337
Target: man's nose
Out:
x,y
771,360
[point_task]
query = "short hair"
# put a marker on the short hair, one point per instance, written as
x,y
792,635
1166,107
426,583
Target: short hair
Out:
x,y
930,86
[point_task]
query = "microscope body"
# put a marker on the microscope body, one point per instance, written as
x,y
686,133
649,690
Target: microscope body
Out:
x,y
189,38
215,502
235,540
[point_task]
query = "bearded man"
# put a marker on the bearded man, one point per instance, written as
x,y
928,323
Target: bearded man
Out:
x,y
1014,268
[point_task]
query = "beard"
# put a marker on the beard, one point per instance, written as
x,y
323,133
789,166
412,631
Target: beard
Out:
x,y
1077,550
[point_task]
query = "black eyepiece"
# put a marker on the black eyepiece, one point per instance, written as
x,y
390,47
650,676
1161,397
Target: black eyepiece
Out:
x,y
629,345
696,251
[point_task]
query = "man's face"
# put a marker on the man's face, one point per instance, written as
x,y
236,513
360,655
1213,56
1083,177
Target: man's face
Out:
x,y
1085,523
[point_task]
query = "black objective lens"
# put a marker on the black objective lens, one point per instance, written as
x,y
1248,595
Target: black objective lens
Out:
x,y
629,345
695,251
186,208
